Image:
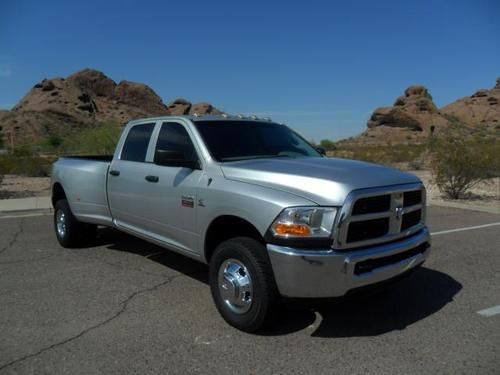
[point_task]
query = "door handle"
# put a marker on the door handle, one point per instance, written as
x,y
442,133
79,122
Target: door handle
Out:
x,y
152,178
114,172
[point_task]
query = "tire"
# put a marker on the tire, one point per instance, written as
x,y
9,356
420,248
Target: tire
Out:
x,y
243,262
69,231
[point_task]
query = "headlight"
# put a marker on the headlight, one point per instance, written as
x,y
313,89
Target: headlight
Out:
x,y
304,222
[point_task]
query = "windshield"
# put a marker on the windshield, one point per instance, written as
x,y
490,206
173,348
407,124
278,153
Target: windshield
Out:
x,y
241,140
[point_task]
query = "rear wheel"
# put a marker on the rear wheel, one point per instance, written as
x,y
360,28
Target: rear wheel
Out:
x,y
242,284
69,231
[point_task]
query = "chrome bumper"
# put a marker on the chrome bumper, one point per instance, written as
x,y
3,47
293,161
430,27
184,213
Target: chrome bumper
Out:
x,y
319,273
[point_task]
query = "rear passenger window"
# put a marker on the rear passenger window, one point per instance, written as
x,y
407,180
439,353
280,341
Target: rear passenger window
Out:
x,y
136,144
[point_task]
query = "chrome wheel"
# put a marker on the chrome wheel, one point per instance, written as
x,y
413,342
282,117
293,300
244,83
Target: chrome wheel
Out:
x,y
235,286
61,224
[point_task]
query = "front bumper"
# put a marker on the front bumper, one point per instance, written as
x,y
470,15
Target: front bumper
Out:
x,y
322,273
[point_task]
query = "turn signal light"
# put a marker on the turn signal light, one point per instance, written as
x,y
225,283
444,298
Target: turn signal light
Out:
x,y
293,229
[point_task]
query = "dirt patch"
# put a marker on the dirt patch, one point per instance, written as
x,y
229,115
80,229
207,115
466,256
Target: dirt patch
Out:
x,y
24,187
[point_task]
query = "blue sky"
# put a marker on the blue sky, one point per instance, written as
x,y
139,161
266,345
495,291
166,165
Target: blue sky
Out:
x,y
319,66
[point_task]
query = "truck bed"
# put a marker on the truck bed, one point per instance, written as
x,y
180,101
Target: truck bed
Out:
x,y
86,186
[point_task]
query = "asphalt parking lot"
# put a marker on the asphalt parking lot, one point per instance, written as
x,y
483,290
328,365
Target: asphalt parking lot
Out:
x,y
126,306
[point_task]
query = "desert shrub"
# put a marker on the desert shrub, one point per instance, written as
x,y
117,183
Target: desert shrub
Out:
x,y
54,141
32,166
99,140
382,154
458,165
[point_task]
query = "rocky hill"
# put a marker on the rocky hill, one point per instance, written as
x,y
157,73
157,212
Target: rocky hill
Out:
x,y
60,106
480,109
85,98
414,116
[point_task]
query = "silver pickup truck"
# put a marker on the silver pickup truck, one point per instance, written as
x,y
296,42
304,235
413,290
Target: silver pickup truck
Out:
x,y
268,212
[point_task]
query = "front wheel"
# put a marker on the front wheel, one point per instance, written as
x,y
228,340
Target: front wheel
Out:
x,y
242,284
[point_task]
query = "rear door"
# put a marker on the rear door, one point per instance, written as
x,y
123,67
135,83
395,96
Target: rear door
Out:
x,y
126,180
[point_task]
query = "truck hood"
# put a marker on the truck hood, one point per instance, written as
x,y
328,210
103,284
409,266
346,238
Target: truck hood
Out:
x,y
325,181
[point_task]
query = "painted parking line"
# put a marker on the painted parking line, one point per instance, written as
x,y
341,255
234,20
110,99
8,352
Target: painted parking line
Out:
x,y
495,310
464,229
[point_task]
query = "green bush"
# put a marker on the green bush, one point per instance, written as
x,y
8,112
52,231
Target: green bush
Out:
x,y
382,154
99,140
31,166
458,165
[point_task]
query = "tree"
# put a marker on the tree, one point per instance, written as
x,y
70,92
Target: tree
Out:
x,y
328,144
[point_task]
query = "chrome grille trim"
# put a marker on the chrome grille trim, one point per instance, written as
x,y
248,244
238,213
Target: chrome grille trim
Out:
x,y
397,192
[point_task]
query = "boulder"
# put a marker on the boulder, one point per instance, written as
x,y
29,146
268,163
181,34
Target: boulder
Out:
x,y
47,85
178,107
203,109
417,90
480,93
141,96
393,117
93,82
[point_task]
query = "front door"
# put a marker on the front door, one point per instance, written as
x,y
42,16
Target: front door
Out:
x,y
172,191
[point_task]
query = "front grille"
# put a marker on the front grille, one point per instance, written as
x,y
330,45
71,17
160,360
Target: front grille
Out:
x,y
381,216
372,204
411,219
366,230
411,198
371,264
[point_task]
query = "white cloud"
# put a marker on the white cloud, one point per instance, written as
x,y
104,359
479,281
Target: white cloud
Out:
x,y
5,70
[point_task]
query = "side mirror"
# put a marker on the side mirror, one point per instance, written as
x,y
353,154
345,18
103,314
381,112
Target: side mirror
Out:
x,y
321,150
171,158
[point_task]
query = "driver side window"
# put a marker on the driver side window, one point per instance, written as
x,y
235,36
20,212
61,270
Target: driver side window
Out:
x,y
174,137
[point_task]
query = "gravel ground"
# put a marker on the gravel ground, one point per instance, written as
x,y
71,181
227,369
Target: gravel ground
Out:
x,y
23,187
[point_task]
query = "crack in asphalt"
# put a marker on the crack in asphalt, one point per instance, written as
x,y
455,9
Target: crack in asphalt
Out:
x,y
124,305
15,237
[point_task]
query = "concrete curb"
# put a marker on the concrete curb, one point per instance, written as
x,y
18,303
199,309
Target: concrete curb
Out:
x,y
33,204
25,213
